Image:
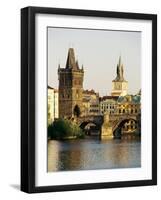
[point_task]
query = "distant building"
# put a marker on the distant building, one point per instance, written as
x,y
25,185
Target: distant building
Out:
x,y
53,105
90,94
108,104
86,107
119,84
70,87
56,104
94,107
130,105
90,103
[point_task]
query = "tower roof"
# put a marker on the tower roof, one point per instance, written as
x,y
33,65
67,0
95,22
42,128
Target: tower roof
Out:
x,y
71,62
120,71
119,61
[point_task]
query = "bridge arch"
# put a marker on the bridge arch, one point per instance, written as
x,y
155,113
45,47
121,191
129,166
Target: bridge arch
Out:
x,y
117,130
85,123
91,128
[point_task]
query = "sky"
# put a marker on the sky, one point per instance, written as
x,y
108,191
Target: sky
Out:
x,y
98,51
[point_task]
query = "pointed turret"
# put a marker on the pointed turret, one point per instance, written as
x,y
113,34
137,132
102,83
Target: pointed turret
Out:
x,y
59,66
119,64
77,64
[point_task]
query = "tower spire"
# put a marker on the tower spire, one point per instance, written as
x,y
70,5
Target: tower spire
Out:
x,y
119,84
119,60
71,62
120,71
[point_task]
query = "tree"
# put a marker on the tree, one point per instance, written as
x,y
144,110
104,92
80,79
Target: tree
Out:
x,y
63,129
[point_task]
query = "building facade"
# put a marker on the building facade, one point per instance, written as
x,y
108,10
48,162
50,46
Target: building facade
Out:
x,y
108,104
70,87
56,104
130,105
90,103
94,108
119,84
53,104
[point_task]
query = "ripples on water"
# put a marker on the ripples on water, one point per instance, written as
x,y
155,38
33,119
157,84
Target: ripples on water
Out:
x,y
90,154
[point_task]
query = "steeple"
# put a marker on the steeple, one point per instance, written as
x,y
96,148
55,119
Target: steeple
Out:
x,y
71,63
119,61
120,71
119,84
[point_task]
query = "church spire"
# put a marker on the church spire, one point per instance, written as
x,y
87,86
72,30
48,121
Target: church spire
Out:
x,y
120,71
71,63
119,61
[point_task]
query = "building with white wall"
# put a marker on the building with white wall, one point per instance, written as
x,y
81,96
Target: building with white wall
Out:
x,y
108,104
53,104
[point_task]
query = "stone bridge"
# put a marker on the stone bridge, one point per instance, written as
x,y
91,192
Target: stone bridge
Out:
x,y
94,119
113,122
108,123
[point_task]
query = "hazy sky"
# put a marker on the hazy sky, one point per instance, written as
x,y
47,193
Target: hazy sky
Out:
x,y
98,51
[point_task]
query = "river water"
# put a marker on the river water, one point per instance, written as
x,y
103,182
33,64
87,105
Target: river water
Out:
x,y
88,154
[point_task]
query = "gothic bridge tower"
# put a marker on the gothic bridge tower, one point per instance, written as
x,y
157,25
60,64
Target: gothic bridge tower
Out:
x,y
70,87
119,84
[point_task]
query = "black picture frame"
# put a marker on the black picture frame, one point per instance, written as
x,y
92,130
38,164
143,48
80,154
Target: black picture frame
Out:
x,y
28,98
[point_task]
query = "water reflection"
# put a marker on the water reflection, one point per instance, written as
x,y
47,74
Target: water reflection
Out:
x,y
93,154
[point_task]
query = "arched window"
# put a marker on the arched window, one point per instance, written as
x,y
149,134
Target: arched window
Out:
x,y
76,111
